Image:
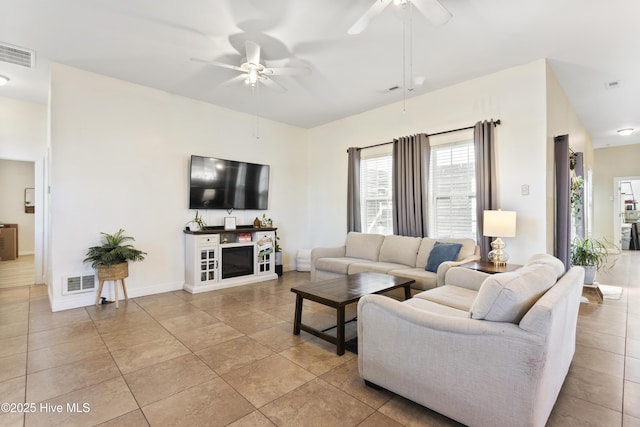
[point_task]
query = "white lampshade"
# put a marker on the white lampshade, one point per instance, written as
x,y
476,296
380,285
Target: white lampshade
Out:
x,y
499,223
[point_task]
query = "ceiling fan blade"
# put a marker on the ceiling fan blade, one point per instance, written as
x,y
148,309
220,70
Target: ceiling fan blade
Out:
x,y
253,52
287,71
219,64
433,10
236,79
272,84
368,16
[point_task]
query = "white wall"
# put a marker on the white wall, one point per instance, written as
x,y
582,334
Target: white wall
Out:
x,y
611,162
515,96
15,176
23,137
562,119
119,158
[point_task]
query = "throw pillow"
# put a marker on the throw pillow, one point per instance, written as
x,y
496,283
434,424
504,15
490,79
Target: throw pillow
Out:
x,y
506,297
440,253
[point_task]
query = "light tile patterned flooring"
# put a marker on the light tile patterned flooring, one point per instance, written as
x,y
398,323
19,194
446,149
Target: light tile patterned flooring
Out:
x,y
17,272
229,358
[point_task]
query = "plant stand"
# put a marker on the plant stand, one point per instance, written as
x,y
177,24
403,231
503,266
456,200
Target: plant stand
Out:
x,y
592,293
113,273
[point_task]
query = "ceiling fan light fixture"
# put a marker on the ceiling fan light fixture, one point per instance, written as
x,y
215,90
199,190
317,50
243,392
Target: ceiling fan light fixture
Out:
x,y
625,132
4,80
252,76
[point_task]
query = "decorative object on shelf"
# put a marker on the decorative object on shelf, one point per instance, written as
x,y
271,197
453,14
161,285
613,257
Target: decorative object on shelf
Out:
x,y
257,223
197,223
266,222
230,223
111,260
244,237
499,224
592,254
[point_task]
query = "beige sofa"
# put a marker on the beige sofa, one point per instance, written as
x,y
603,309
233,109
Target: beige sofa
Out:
x,y
401,256
485,350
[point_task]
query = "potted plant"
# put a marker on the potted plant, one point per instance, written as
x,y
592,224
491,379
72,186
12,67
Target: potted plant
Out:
x,y
591,254
111,258
197,223
278,251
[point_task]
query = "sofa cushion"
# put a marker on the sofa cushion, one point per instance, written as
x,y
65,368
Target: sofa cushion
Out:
x,y
555,263
337,265
440,253
467,250
506,297
451,296
363,246
423,279
378,267
400,250
435,308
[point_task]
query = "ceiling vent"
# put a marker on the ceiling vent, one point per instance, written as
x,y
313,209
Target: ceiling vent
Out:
x,y
17,55
612,85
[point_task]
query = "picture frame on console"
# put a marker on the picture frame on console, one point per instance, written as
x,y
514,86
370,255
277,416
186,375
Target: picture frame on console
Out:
x,y
230,223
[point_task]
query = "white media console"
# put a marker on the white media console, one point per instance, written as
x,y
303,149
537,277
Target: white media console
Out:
x,y
218,258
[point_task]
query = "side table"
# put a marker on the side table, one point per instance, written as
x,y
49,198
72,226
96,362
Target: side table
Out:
x,y
489,267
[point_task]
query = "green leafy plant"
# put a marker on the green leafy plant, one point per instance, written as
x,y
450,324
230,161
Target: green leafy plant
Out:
x,y
276,245
199,221
577,184
113,250
589,252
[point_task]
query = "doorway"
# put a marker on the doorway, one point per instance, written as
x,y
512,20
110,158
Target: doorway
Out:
x,y
21,206
626,211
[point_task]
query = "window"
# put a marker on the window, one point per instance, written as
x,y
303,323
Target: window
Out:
x,y
452,189
375,193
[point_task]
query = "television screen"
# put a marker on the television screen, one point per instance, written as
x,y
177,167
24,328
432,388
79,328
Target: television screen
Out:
x,y
227,184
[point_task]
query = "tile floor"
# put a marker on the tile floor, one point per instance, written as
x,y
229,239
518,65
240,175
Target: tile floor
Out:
x,y
229,358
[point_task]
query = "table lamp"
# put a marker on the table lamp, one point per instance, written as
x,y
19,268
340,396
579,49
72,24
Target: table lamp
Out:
x,y
498,224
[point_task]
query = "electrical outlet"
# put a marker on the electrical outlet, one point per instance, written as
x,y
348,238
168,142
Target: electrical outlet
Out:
x,y
524,190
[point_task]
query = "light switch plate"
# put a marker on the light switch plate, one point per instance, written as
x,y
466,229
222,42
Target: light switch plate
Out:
x,y
524,190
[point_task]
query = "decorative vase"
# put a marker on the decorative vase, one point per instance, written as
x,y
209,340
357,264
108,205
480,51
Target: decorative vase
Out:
x,y
589,274
114,272
278,258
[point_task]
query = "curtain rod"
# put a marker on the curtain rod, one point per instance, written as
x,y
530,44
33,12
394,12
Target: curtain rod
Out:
x,y
496,123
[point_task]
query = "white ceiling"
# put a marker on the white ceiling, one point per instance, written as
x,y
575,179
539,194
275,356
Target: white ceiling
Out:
x,y
588,42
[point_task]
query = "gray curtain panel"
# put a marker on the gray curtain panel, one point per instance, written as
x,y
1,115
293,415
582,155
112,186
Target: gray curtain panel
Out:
x,y
486,183
580,221
353,190
562,244
410,174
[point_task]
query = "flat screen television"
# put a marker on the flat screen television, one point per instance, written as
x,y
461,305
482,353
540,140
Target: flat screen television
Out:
x,y
227,184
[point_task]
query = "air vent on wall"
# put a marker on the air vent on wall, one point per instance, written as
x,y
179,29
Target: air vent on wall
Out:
x,y
16,55
78,283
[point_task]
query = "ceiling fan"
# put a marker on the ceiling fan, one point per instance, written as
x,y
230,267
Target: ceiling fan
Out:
x,y
254,72
433,10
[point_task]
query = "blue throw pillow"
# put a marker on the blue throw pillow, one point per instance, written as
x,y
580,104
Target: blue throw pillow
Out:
x,y
442,252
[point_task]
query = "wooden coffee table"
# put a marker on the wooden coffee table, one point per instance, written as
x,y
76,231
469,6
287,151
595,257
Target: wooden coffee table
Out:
x,y
340,292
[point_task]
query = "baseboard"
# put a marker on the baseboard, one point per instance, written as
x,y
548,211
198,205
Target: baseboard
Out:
x,y
69,302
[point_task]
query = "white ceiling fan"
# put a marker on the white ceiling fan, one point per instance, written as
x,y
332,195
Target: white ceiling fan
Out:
x,y
254,72
433,10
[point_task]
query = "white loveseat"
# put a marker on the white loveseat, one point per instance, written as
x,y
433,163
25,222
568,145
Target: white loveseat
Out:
x,y
401,256
485,350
